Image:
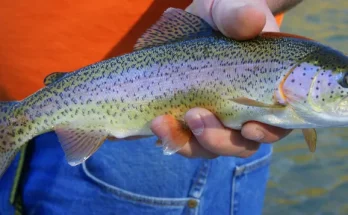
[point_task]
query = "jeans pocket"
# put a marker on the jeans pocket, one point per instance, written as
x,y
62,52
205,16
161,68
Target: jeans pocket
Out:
x,y
125,193
249,183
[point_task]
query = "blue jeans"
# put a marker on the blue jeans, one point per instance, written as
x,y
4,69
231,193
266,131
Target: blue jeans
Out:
x,y
134,177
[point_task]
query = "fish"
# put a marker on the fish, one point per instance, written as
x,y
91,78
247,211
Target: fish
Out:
x,y
179,63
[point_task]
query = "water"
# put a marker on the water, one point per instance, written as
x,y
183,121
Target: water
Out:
x,y
301,182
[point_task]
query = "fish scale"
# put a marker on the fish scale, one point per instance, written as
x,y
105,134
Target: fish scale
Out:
x,y
238,81
121,82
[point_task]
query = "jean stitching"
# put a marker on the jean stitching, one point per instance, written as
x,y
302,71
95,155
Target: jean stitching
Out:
x,y
138,198
249,167
233,187
201,179
246,168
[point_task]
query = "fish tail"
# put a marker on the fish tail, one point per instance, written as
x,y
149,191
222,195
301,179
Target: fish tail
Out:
x,y
8,143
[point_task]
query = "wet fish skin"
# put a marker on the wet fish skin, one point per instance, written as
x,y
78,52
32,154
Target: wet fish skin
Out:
x,y
124,94
119,97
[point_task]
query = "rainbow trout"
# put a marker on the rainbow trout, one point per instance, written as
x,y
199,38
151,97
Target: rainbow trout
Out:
x,y
180,63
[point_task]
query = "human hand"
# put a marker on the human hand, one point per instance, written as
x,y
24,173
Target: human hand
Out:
x,y
241,20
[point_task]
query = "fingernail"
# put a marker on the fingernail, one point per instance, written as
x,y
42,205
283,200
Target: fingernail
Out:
x,y
196,124
257,135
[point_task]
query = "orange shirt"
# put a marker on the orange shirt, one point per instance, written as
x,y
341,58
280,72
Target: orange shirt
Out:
x,y
40,37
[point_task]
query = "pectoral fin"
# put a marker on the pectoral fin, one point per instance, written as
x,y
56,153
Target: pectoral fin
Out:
x,y
310,136
79,144
254,103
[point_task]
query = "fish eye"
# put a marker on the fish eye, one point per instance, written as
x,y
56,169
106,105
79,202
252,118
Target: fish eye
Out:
x,y
344,80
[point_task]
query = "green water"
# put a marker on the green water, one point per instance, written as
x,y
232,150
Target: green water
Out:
x,y
300,182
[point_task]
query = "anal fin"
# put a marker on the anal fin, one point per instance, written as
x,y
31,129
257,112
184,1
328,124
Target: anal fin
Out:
x,y
310,136
78,143
178,135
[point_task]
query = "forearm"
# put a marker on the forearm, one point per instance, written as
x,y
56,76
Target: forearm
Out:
x,y
278,6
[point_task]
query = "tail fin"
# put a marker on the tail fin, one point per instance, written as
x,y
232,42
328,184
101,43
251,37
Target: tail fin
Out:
x,y
6,158
7,154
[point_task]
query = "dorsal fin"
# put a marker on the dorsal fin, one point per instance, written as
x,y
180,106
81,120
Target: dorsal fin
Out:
x,y
282,34
54,77
174,25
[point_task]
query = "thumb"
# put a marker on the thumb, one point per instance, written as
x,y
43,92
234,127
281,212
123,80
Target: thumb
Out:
x,y
238,19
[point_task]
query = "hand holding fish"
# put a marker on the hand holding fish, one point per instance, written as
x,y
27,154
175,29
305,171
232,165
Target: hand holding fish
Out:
x,y
238,19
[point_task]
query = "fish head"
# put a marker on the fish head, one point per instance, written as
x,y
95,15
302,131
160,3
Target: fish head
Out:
x,y
317,88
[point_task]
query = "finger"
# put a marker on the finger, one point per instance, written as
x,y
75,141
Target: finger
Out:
x,y
171,132
166,128
202,8
213,136
243,19
238,19
194,150
263,133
